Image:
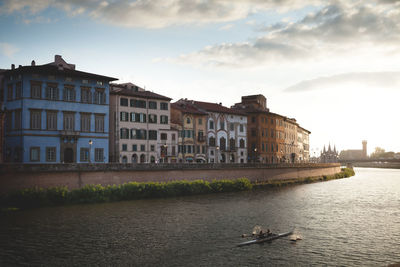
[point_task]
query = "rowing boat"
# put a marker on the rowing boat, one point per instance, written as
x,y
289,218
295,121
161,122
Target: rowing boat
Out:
x,y
264,239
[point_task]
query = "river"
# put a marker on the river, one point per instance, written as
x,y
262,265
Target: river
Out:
x,y
348,222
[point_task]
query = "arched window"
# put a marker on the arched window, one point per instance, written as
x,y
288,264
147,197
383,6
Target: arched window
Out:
x,y
134,158
211,141
232,158
232,144
222,143
142,158
187,120
152,159
242,143
124,159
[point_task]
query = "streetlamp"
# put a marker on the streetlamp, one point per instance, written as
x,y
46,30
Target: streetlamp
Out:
x,y
217,154
90,149
255,154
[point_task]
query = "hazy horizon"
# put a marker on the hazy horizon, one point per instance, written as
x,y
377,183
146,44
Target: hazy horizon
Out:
x,y
332,65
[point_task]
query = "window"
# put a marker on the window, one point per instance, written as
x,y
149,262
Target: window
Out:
x,y
152,148
211,125
232,126
85,122
134,147
222,143
152,118
69,121
152,105
173,151
85,81
50,154
51,92
35,154
36,119
188,120
99,123
253,119
211,141
9,120
18,119
138,134
232,144
272,134
152,135
69,94
18,90
85,95
142,148
101,83
164,119
200,121
138,103
123,116
36,89
123,102
173,137
68,79
51,120
241,143
124,147
241,128
10,92
99,97
124,133
164,106
163,136
99,154
222,125
84,154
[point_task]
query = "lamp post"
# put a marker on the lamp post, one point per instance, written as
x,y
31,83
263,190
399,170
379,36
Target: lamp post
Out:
x,y
255,154
90,149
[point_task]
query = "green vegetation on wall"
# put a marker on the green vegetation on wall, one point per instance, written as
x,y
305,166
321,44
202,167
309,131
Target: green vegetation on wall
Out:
x,y
39,197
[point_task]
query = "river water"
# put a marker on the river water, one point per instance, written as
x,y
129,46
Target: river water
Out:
x,y
346,222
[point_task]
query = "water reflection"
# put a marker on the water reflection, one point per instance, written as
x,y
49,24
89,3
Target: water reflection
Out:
x,y
343,222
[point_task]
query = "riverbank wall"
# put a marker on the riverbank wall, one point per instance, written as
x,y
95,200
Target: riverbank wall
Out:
x,y
73,176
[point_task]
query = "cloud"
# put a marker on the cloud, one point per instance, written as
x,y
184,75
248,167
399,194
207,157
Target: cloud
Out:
x,y
154,13
365,79
8,49
339,29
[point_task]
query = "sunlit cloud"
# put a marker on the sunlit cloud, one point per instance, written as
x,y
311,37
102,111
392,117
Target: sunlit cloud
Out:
x,y
8,50
381,80
156,13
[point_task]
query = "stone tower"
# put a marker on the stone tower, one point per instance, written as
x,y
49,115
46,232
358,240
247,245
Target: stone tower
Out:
x,y
364,148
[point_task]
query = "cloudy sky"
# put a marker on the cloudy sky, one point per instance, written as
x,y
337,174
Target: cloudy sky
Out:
x,y
332,65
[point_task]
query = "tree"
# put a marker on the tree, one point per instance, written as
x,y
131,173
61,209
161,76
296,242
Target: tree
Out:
x,y
378,152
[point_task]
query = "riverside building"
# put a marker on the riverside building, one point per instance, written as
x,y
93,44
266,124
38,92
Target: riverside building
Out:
x,y
226,132
55,114
140,126
191,123
272,137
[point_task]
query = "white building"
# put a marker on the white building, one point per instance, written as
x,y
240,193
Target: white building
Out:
x,y
139,125
226,133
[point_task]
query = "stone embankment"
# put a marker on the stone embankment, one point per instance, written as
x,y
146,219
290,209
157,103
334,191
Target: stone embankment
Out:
x,y
73,176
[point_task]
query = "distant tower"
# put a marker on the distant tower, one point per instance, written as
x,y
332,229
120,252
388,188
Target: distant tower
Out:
x,y
364,150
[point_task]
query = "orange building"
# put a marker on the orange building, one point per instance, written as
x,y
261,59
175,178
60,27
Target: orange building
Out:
x,y
272,138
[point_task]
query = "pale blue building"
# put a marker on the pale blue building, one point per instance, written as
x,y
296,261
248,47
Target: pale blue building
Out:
x,y
55,114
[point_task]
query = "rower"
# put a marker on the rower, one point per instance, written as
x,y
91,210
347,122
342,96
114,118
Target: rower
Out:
x,y
269,232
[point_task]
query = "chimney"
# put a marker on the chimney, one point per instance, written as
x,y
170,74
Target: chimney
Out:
x,y
19,66
57,58
12,66
33,63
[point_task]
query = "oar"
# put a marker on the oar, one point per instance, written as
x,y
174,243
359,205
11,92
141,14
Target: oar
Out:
x,y
247,235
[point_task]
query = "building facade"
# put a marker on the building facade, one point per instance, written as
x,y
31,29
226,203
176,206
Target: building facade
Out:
x,y
303,144
55,114
272,137
355,154
192,125
140,125
226,133
329,155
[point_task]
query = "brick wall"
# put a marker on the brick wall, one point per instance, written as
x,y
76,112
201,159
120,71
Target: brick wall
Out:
x,y
14,177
